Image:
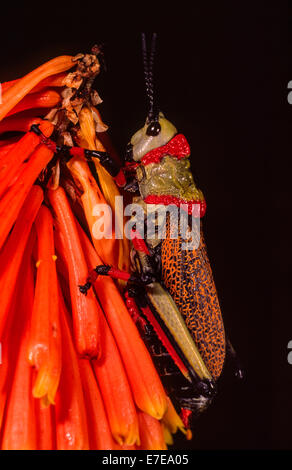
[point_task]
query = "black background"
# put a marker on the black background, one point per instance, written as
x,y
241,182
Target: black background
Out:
x,y
221,77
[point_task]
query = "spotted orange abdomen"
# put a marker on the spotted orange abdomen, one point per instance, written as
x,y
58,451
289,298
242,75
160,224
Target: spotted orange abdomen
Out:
x,y
188,277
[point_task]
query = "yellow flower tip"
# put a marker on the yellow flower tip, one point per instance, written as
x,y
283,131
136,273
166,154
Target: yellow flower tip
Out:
x,y
156,414
167,435
38,263
40,388
54,257
51,397
172,419
189,435
45,403
155,407
172,425
183,429
45,387
119,439
128,439
132,436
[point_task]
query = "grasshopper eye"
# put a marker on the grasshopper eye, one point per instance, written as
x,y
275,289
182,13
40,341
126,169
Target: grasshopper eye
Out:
x,y
153,129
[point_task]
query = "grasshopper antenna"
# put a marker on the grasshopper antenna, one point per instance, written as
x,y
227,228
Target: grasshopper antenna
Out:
x,y
148,64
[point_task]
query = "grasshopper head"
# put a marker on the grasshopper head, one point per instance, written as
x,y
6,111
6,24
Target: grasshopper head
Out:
x,y
153,134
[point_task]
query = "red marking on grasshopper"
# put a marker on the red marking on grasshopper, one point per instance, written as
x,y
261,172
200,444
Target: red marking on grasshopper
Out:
x,y
177,147
165,341
195,207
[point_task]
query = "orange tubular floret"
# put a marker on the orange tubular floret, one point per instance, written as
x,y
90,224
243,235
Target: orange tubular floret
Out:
x,y
12,201
22,87
18,123
70,412
151,433
13,328
18,174
11,256
86,309
19,153
146,386
62,266
109,189
5,149
44,351
6,85
91,198
20,422
52,81
41,99
45,427
115,390
7,365
100,436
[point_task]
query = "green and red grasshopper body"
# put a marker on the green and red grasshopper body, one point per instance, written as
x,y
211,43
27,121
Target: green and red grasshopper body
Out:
x,y
184,328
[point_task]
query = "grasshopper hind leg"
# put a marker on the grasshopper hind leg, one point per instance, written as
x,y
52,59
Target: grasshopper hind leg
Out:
x,y
191,395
